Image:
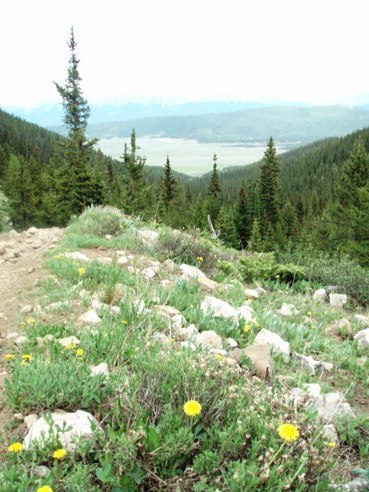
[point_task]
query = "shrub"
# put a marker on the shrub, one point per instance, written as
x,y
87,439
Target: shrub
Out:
x,y
99,221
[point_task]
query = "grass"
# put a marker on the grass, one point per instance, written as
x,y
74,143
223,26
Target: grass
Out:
x,y
149,443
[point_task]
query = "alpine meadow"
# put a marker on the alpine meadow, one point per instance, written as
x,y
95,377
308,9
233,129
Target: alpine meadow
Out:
x,y
162,331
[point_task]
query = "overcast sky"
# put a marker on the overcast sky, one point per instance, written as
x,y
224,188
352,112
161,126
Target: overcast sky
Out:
x,y
306,50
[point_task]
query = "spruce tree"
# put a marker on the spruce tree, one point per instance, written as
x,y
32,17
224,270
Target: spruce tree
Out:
x,y
269,189
168,185
256,240
81,185
242,218
214,201
227,227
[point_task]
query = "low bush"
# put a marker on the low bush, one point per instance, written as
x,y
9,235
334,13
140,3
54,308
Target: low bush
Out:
x,y
99,221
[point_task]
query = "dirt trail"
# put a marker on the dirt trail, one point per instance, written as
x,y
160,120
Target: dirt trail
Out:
x,y
21,268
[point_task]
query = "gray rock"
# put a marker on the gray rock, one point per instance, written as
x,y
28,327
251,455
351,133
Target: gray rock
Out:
x,y
329,433
245,313
122,260
67,427
332,407
320,296
311,364
101,368
68,341
219,308
274,341
252,293
187,333
231,343
150,238
207,285
90,318
170,266
190,272
356,485
337,300
76,255
362,337
364,320
288,310
208,339
41,471
20,340
30,419
148,273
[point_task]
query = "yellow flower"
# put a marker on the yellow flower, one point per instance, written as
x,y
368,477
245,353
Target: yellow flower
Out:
x,y
331,444
59,454
199,259
192,408
23,363
70,346
9,356
79,352
246,328
45,488
16,447
123,321
309,313
220,357
27,357
31,321
81,271
288,432
22,324
56,257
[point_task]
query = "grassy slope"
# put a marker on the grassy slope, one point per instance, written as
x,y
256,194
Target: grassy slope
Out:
x,y
150,444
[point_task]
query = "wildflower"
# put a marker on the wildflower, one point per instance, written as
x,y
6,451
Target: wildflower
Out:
x,y
22,324
79,352
123,321
331,444
27,357
59,454
45,488
81,271
31,321
309,313
56,257
9,356
199,259
246,328
16,447
192,408
288,432
171,340
23,363
70,346
220,357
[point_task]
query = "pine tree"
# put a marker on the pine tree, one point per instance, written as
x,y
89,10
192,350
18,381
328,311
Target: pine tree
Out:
x,y
214,201
227,227
81,185
168,185
242,218
256,241
269,188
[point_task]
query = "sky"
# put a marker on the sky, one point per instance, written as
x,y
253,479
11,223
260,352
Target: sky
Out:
x,y
180,50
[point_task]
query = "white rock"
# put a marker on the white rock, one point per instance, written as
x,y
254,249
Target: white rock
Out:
x,y
311,364
96,304
329,433
76,255
68,428
187,333
337,300
296,397
104,260
160,338
148,273
231,343
364,320
251,293
42,471
207,285
11,335
114,310
288,310
45,339
30,419
28,308
68,341
169,310
90,318
320,296
246,313
190,272
139,306
209,339
20,340
122,260
332,406
312,389
188,345
170,266
108,236
274,341
362,337
178,321
219,308
32,230
261,291
18,416
101,368
150,238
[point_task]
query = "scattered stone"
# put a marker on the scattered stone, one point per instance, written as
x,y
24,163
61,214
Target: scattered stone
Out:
x,y
90,318
18,416
329,433
108,237
104,260
190,272
274,341
31,270
260,291
362,337
359,484
251,293
259,354
30,419
311,364
68,341
187,333
246,313
209,339
41,471
332,407
32,230
178,321
169,310
139,306
76,255
219,308
296,397
170,266
160,338
364,320
68,428
320,296
11,335
231,343
20,340
148,273
288,310
150,238
122,260
207,285
45,339
337,300
313,390
101,368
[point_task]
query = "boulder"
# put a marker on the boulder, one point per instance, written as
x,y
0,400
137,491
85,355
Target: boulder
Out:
x,y
364,320
101,368
246,313
150,238
288,310
190,272
148,273
332,407
208,339
320,296
65,342
67,427
259,354
251,293
207,285
190,332
362,337
337,300
76,255
274,342
90,318
219,308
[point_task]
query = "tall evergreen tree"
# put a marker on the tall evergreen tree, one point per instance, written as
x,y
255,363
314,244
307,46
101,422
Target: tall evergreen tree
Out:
x,y
269,189
214,200
242,217
83,186
168,184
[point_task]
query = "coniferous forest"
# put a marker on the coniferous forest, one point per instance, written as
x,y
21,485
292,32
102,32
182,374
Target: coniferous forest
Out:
x,y
316,196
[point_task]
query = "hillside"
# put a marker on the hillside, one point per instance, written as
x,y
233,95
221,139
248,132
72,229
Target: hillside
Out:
x,y
286,124
242,386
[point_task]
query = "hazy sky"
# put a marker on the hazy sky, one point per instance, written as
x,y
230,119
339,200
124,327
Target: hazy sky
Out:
x,y
307,50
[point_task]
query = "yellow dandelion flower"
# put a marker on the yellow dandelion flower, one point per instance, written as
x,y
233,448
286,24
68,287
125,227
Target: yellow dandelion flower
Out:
x,y
16,447
45,488
191,305
22,324
246,328
56,257
9,356
23,363
27,357
31,321
309,313
288,432
192,408
123,321
70,346
171,340
331,444
81,271
79,352
59,454
199,259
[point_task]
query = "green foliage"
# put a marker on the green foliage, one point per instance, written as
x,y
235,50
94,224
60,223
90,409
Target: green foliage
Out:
x,y
99,221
